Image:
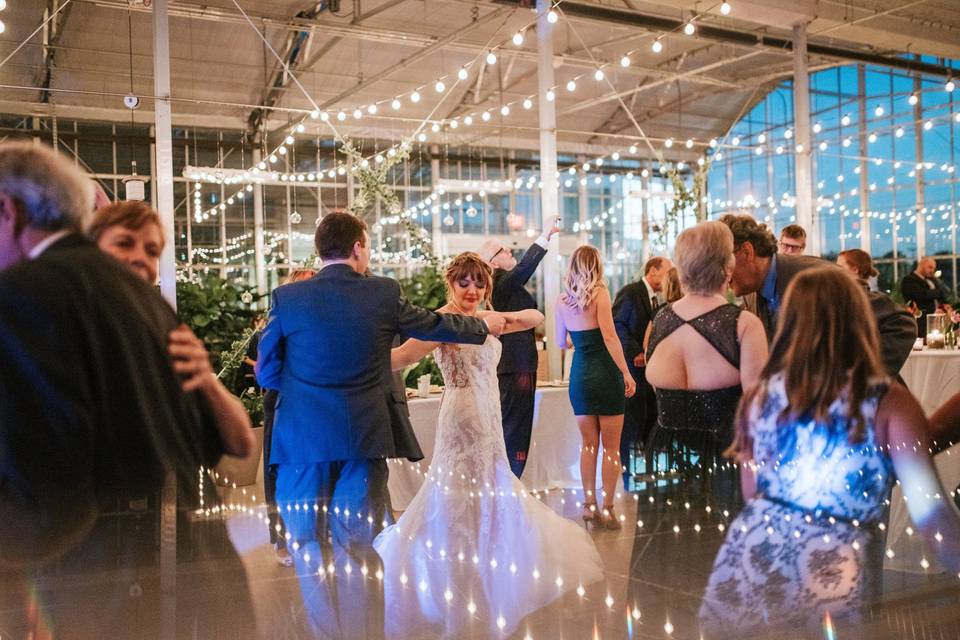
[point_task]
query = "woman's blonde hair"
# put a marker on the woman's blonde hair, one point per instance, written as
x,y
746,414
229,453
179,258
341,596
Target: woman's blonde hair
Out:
x,y
703,254
672,291
584,278
826,345
469,264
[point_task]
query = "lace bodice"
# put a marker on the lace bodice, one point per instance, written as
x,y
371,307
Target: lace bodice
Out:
x,y
813,465
464,365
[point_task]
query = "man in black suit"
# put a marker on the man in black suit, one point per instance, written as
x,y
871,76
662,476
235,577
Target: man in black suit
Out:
x,y
93,417
326,348
923,288
633,310
761,270
517,370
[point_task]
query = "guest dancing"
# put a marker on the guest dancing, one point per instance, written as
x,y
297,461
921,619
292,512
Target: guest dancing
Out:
x,y
633,309
599,378
517,370
703,352
130,231
473,544
825,432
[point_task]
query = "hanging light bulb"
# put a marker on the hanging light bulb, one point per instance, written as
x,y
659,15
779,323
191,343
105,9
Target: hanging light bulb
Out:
x,y
552,17
668,143
690,28
440,87
491,58
657,46
518,38
689,143
817,127
357,114
435,127
3,4
725,8
913,99
551,96
313,114
527,103
625,61
3,27
485,116
468,120
878,111
845,120
415,97
341,116
572,86
372,109
462,73
395,104
505,110
950,86
598,75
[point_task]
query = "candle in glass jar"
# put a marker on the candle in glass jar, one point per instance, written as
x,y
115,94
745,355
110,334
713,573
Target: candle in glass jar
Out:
x,y
936,340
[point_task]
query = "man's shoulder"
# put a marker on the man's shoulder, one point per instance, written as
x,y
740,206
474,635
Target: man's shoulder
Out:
x,y
632,289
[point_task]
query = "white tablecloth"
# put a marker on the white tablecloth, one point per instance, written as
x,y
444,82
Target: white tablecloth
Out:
x,y
933,376
553,460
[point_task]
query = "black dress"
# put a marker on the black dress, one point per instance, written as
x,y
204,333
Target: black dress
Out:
x,y
695,426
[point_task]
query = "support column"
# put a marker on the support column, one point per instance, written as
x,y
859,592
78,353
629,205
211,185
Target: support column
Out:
x,y
258,261
164,148
548,169
163,165
803,151
645,216
864,164
435,218
921,226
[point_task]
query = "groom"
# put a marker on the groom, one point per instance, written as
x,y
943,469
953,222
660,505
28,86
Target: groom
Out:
x,y
326,348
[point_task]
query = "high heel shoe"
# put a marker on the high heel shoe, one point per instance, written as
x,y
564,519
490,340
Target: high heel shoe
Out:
x,y
609,519
591,513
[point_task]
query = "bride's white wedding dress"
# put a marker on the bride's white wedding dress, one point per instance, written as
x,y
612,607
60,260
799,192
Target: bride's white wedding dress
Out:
x,y
474,550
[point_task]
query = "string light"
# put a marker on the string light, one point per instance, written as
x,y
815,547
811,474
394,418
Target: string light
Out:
x,y
689,28
625,61
657,46
725,8
518,38
491,58
552,17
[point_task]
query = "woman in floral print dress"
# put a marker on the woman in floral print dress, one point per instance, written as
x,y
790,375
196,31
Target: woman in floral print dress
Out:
x,y
824,434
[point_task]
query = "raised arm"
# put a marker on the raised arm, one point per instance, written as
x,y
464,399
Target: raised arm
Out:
x,y
518,320
416,322
753,348
611,340
901,420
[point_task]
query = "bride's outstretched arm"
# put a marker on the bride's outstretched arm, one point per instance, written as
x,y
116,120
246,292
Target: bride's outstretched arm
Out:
x,y
410,352
518,320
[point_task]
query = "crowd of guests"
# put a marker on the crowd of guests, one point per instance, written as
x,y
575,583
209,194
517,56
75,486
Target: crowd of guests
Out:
x,y
739,350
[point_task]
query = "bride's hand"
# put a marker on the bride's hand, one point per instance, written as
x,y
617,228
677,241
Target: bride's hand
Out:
x,y
630,385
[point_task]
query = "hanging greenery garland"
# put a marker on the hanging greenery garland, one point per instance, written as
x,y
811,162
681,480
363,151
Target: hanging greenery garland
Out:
x,y
684,197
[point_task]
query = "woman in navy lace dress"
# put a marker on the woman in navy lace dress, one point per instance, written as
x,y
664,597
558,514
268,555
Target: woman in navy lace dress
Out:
x,y
825,432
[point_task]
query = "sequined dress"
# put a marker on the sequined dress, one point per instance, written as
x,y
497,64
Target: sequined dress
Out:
x,y
803,545
695,426
474,552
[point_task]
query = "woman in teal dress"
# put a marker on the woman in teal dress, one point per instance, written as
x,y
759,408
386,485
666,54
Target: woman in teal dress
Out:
x,y
599,378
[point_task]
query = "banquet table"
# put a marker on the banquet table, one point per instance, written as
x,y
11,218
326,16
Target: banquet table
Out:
x,y
933,376
553,460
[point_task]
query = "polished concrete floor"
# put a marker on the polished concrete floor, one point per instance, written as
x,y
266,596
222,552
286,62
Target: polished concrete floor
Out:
x,y
656,568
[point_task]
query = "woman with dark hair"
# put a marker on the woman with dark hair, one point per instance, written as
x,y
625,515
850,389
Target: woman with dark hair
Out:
x,y
130,231
821,436
472,514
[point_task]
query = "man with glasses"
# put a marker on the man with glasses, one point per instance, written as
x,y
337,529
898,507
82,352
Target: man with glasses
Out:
x,y
517,371
793,240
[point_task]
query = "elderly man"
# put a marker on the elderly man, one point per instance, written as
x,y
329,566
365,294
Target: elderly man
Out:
x,y
759,269
517,371
93,417
923,288
793,240
633,311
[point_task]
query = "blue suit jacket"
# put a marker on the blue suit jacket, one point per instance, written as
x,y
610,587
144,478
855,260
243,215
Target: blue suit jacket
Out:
x,y
326,348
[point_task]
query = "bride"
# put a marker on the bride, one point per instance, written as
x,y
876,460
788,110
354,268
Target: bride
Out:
x,y
474,551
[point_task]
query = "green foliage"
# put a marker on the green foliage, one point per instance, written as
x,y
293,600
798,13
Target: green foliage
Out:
x,y
684,197
220,312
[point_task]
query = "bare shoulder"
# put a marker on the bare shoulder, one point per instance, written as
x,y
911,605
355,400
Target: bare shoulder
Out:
x,y
899,415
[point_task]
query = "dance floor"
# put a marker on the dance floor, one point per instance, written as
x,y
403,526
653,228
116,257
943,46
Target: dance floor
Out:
x,y
656,569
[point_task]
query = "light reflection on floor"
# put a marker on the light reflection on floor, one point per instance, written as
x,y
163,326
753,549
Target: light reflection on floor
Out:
x,y
655,575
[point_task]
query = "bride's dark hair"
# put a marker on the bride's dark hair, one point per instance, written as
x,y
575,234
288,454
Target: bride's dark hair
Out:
x,y
470,265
